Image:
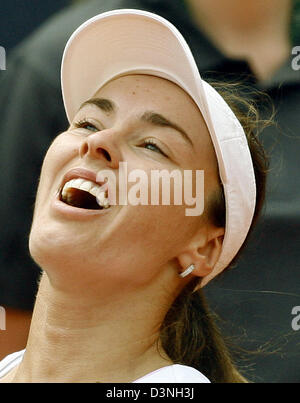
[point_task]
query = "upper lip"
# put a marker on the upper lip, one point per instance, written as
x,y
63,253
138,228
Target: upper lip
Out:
x,y
80,173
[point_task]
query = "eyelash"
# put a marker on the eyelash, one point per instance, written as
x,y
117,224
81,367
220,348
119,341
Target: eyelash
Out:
x,y
83,123
153,143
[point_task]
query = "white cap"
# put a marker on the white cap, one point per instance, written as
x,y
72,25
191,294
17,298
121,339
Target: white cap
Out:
x,y
128,41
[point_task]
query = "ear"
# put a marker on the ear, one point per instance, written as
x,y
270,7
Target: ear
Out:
x,y
203,252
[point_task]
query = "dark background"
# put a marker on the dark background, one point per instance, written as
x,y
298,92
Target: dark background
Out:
x,y
19,18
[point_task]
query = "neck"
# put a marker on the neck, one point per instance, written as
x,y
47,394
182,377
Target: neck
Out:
x,y
72,340
257,31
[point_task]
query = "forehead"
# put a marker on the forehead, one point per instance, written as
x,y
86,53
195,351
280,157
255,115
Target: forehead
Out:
x,y
135,94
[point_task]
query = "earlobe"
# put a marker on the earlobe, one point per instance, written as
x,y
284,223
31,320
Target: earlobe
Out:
x,y
200,261
192,263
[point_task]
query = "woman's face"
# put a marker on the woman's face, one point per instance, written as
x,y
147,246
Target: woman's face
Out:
x,y
123,245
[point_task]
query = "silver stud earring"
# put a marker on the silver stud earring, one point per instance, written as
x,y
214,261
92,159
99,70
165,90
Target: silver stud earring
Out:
x,y
187,271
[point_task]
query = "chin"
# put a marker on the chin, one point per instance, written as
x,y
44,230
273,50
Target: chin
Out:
x,y
49,246
55,260
63,256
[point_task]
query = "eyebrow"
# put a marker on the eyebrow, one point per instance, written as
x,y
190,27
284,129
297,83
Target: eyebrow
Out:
x,y
151,117
104,104
157,119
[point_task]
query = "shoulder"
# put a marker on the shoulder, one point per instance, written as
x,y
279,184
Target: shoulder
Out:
x,y
10,362
174,374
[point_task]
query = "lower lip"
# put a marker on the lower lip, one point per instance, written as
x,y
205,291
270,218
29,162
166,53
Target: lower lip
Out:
x,y
75,213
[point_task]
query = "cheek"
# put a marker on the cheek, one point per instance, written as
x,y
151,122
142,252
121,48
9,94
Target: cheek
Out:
x,y
61,151
148,238
54,165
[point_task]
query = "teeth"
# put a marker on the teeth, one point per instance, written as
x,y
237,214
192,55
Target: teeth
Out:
x,y
87,186
94,190
102,200
76,183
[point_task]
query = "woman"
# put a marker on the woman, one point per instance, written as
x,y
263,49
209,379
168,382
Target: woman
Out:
x,y
119,298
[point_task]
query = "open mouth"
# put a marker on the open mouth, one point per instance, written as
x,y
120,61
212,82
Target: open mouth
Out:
x,y
84,194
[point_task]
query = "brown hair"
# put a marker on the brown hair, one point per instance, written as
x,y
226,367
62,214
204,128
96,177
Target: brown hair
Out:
x,y
189,333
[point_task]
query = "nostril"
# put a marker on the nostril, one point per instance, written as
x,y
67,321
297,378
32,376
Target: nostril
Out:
x,y
104,153
91,149
84,149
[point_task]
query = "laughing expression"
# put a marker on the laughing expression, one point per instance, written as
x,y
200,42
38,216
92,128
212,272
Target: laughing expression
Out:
x,y
76,234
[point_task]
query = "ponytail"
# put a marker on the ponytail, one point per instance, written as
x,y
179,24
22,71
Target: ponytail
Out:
x,y
190,336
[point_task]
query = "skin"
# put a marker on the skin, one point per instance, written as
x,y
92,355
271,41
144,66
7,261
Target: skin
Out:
x,y
110,279
16,331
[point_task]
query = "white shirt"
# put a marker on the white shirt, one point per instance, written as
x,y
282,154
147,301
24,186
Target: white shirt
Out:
x,y
171,374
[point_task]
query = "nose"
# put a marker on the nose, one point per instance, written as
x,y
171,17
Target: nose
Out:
x,y
101,145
